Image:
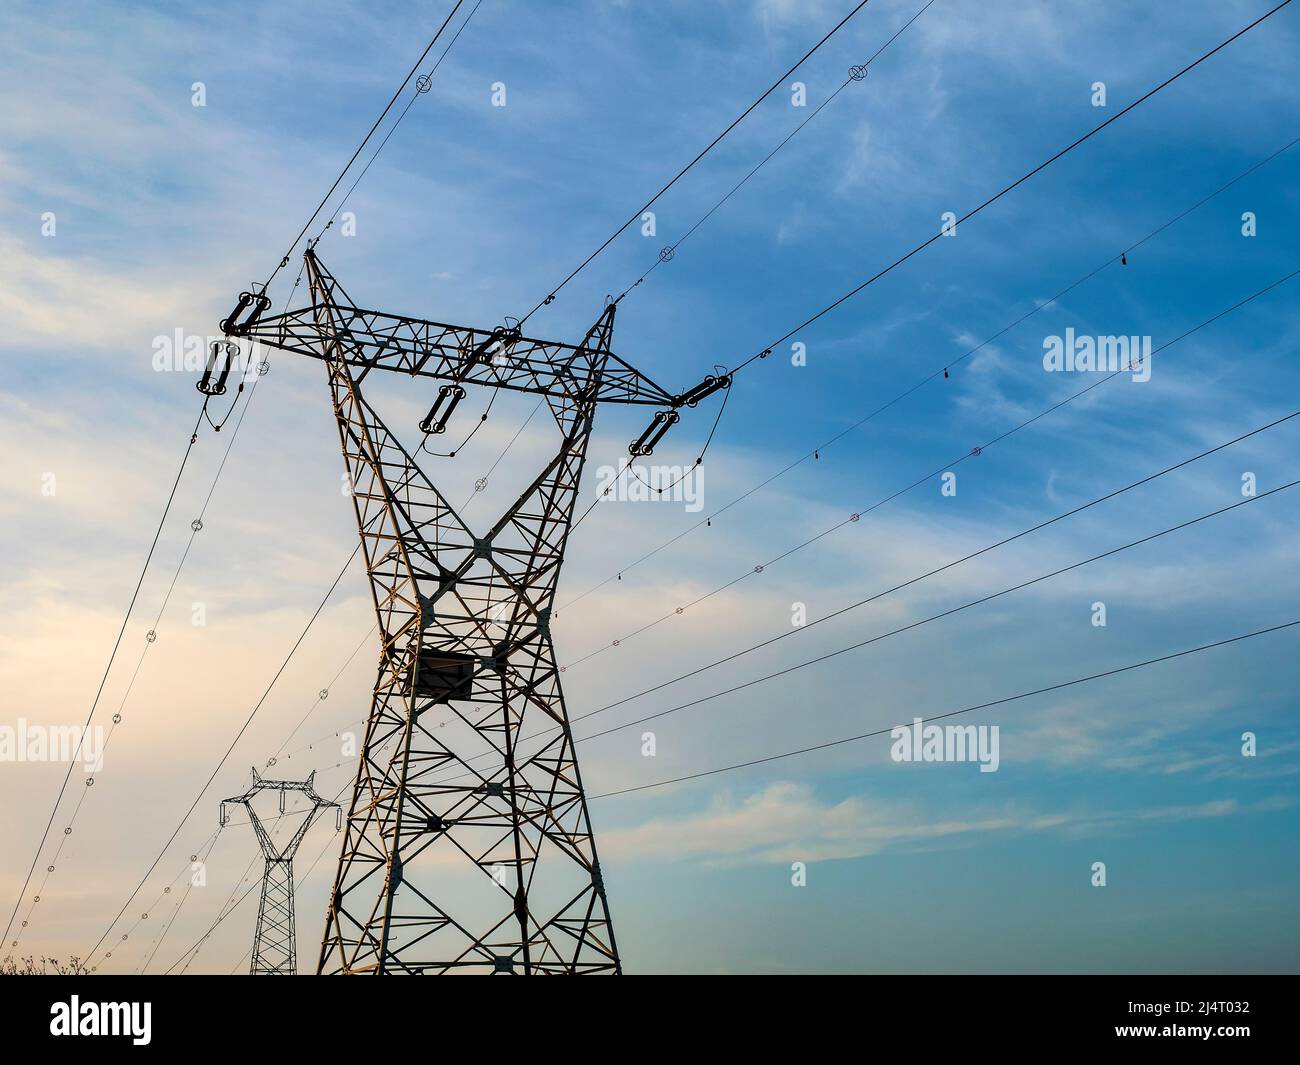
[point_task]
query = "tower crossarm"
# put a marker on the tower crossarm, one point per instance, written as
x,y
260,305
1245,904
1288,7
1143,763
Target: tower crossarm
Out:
x,y
463,355
260,784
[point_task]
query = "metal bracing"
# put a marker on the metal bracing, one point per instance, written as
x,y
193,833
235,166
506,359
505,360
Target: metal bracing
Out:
x,y
496,358
468,846
275,950
275,940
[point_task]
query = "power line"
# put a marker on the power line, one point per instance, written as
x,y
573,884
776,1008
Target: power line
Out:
x,y
972,453
717,420
857,73
952,713
284,261
423,84
242,729
939,372
997,702
497,462
583,265
976,451
424,440
254,711
264,696
681,173
921,577
271,762
180,903
1015,184
947,613
992,199
149,642
1107,497
324,694
212,840
319,739
195,527
193,439
171,496
310,869
227,909
220,828
354,653
922,480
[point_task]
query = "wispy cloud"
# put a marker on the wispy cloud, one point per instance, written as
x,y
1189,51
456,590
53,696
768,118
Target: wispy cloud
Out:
x,y
788,822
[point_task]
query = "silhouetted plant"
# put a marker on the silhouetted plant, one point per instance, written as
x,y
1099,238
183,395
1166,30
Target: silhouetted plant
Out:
x,y
33,966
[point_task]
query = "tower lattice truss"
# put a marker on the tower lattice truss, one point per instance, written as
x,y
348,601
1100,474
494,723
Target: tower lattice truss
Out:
x,y
468,844
275,939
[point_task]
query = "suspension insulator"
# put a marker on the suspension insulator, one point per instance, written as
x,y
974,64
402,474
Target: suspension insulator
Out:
x,y
645,443
436,420
222,355
259,302
498,342
228,323
703,390
263,304
482,353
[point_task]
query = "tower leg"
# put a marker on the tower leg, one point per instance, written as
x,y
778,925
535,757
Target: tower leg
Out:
x,y
275,949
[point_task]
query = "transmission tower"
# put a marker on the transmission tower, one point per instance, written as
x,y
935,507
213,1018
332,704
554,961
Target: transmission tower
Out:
x,y
275,951
468,845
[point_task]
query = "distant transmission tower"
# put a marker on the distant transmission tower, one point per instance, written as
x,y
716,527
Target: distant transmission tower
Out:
x,y
275,951
468,845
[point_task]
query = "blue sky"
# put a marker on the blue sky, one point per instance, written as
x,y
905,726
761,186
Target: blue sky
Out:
x,y
165,211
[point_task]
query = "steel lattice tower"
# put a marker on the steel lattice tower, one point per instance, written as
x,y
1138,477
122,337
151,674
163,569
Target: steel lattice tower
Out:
x,y
275,951
468,845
